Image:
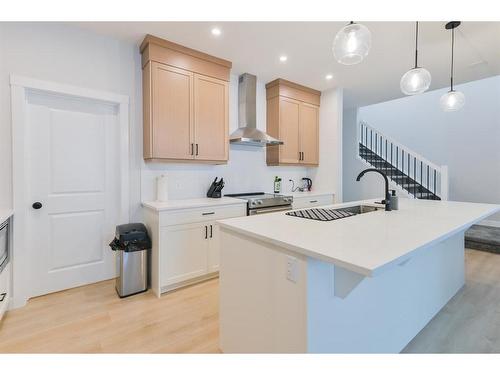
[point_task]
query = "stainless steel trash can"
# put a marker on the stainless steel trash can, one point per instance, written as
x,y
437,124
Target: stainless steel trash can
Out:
x,y
132,244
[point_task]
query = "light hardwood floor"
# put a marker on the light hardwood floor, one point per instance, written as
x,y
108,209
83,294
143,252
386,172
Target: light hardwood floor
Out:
x,y
92,319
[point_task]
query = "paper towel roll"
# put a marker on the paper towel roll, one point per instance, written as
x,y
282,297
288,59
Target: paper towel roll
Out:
x,y
161,188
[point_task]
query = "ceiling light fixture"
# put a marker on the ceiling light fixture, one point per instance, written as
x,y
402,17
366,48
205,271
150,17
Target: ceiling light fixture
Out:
x,y
216,31
352,43
283,58
452,100
329,76
416,80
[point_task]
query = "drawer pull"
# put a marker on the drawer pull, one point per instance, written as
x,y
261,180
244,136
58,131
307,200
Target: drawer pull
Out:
x,y
206,232
211,231
208,213
2,296
313,201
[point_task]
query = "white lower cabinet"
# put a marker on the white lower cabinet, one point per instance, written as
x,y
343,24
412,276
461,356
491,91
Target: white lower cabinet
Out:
x,y
184,252
186,244
213,248
312,201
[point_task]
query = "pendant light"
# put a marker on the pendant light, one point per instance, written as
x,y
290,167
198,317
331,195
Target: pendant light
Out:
x,y
416,80
452,100
352,43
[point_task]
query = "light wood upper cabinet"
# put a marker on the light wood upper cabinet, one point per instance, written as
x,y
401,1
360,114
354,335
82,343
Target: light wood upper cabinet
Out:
x,y
211,120
185,103
293,117
172,96
309,133
289,114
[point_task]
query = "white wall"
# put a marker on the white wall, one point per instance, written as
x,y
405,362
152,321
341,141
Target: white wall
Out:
x,y
371,186
328,176
468,141
66,54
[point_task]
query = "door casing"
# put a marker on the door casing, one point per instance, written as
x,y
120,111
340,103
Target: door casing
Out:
x,y
20,86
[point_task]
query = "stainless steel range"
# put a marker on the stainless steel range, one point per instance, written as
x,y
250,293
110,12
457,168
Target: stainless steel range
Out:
x,y
263,203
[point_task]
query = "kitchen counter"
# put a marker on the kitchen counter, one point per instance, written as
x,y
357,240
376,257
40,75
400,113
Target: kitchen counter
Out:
x,y
5,213
178,204
370,242
362,284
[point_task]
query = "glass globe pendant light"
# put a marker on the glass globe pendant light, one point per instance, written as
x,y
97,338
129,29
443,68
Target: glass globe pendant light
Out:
x,y
352,43
416,80
452,100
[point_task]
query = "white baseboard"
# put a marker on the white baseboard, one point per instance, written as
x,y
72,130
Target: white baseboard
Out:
x,y
490,223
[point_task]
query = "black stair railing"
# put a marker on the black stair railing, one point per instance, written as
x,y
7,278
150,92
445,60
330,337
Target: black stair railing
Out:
x,y
413,173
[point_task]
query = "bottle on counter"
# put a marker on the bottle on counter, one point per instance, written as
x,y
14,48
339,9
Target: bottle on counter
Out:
x,y
277,185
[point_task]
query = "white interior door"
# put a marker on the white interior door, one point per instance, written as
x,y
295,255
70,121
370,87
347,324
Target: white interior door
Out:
x,y
73,171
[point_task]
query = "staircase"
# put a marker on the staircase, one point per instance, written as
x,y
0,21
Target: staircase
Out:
x,y
407,170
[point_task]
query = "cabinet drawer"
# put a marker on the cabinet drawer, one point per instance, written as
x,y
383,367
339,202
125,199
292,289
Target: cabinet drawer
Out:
x,y
201,214
312,201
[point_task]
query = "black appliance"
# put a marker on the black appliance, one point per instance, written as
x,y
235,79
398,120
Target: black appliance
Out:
x,y
214,191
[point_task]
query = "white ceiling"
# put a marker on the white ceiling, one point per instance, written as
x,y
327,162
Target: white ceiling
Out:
x,y
255,47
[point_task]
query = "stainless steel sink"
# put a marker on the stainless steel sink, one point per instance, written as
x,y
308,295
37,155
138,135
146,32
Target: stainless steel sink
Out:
x,y
329,214
362,209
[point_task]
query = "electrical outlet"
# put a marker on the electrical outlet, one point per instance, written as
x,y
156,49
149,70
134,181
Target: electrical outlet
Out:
x,y
292,269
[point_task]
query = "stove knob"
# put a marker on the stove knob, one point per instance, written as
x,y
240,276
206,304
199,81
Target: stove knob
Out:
x,y
258,201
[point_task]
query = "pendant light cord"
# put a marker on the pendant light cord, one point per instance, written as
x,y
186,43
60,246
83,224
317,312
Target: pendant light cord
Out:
x,y
452,53
416,45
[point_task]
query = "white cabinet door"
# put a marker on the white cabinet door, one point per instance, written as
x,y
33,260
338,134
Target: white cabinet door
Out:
x,y
183,253
213,248
312,201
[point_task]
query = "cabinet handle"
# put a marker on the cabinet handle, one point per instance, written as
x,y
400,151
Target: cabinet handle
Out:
x,y
313,201
206,232
197,149
300,156
192,148
2,296
208,213
211,233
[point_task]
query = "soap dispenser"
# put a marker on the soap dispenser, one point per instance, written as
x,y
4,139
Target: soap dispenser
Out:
x,y
394,201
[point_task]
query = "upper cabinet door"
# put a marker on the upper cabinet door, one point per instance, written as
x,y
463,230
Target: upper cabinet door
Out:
x,y
172,131
211,123
309,133
289,130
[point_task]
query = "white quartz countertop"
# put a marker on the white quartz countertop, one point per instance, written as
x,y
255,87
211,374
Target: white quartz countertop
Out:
x,y
177,204
5,213
367,243
308,194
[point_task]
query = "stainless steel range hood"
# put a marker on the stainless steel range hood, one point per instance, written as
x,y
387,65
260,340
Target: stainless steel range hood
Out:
x,y
247,133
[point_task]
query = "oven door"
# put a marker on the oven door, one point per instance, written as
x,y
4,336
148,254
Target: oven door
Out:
x,y
4,244
267,210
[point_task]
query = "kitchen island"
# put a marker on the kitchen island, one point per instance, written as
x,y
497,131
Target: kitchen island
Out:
x,y
361,284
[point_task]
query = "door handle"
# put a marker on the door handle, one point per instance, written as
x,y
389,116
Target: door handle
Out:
x,y
211,231
206,232
37,205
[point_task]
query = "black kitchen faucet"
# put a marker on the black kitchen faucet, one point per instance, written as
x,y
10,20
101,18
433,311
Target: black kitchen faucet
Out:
x,y
387,200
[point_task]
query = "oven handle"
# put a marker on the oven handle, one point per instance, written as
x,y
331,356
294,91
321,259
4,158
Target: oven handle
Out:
x,y
269,210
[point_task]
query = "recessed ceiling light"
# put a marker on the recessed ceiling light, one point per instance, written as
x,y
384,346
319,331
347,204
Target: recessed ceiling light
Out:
x,y
283,58
329,76
216,31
